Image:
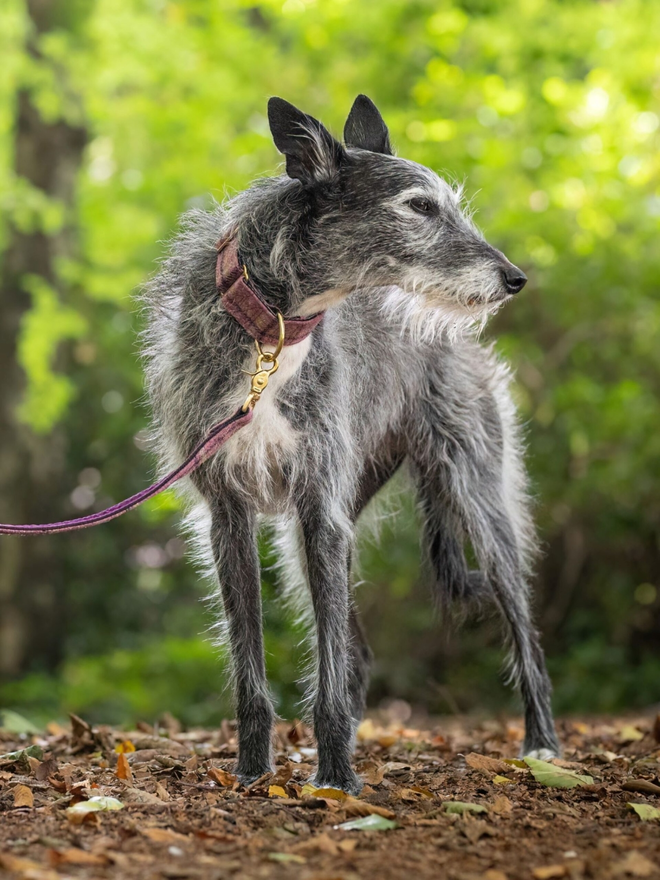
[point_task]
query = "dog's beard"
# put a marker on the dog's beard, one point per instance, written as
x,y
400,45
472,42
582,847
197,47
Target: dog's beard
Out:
x,y
426,312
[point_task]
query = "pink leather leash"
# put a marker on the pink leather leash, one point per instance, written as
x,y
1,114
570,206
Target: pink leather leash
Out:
x,y
264,325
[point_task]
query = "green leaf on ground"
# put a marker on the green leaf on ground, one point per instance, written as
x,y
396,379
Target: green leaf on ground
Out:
x,y
556,777
368,823
95,805
286,857
646,812
15,723
460,807
22,755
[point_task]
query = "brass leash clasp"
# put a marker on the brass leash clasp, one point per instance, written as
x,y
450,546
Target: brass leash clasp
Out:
x,y
262,374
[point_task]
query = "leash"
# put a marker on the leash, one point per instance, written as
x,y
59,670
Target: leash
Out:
x,y
266,327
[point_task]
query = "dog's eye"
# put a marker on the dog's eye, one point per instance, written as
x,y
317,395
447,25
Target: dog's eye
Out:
x,y
422,206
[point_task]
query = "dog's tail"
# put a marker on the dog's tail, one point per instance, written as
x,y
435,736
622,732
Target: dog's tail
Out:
x,y
443,541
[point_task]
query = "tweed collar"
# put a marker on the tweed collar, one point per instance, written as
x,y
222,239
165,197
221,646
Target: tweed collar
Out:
x,y
246,305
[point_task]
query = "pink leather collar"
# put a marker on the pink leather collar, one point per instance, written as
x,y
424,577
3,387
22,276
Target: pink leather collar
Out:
x,y
249,309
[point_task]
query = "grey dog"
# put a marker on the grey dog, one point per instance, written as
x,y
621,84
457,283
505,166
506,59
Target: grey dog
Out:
x,y
394,374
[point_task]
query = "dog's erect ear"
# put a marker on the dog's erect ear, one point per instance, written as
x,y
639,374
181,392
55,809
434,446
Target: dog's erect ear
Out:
x,y
365,127
312,154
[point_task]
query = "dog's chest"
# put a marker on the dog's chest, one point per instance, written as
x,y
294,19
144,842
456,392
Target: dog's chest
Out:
x,y
254,456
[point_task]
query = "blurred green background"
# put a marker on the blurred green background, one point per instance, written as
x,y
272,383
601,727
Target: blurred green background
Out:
x,y
117,115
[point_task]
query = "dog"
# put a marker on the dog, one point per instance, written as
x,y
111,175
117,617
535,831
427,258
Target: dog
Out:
x,y
393,377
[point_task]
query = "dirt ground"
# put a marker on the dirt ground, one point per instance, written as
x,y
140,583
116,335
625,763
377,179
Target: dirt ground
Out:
x,y
184,815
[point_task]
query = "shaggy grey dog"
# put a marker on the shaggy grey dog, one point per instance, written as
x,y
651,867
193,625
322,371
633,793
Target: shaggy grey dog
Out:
x,y
393,374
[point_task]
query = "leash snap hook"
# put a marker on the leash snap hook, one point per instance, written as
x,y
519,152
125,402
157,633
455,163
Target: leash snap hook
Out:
x,y
261,375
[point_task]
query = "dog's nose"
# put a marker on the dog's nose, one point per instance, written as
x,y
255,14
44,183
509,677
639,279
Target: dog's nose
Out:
x,y
514,279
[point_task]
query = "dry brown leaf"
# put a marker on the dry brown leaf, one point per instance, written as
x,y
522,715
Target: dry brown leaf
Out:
x,y
355,807
485,764
27,867
283,774
138,796
321,843
23,796
217,774
164,835
634,865
347,845
45,769
75,856
123,768
494,875
549,872
162,792
501,805
371,772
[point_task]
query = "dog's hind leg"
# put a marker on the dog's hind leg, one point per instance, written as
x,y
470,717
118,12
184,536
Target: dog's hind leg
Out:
x,y
233,535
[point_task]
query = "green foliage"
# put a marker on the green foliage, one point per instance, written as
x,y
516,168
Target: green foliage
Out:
x,y
550,113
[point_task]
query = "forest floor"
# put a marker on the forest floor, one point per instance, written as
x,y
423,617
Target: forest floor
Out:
x,y
183,814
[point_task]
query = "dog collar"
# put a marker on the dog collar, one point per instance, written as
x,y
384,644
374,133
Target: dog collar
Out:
x,y
245,304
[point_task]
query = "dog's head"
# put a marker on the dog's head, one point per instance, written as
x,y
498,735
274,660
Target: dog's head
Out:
x,y
378,220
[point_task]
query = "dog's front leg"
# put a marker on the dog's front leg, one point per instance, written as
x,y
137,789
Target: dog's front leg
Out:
x,y
237,561
327,547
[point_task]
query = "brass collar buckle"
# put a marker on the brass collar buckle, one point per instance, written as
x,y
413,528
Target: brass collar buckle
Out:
x,y
262,374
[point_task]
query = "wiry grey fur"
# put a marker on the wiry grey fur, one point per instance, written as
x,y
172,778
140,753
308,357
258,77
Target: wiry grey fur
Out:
x,y
394,373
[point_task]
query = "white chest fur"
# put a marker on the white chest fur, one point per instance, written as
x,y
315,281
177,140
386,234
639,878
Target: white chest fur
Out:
x,y
253,456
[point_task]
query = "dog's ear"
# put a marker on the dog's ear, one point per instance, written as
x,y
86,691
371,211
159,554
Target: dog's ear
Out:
x,y
312,154
365,127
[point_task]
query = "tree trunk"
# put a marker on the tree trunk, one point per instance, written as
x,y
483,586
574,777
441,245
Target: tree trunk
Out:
x,y
48,155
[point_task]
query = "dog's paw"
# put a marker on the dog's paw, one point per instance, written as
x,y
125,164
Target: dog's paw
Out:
x,y
351,784
542,754
246,778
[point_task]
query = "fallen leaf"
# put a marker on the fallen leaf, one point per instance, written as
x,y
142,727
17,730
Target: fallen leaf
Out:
x,y
356,807
286,857
320,843
556,777
492,874
503,780
138,796
283,774
419,789
549,872
124,747
23,796
634,864
629,733
45,769
222,777
334,794
515,762
641,785
164,835
460,807
27,868
646,812
501,805
15,723
162,792
368,823
276,791
371,772
93,805
123,768
75,856
485,764
21,756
